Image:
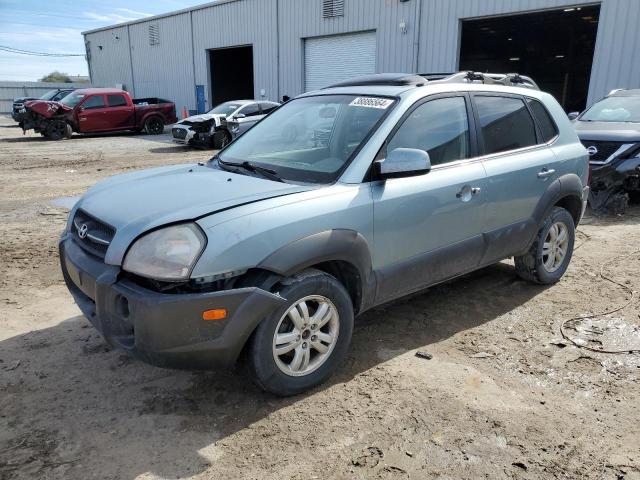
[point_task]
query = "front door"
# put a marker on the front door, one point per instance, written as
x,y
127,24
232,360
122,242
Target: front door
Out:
x,y
429,227
92,114
247,117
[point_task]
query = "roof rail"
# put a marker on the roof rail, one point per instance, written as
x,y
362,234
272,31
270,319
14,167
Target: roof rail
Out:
x,y
394,79
506,79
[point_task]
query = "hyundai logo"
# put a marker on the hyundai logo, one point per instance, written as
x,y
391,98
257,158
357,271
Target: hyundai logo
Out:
x,y
592,151
82,231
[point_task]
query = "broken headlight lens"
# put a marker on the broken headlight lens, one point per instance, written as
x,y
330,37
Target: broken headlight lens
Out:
x,y
166,254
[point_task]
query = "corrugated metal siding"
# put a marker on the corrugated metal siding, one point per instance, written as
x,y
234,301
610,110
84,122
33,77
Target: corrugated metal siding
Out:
x,y
11,90
164,70
303,19
277,29
335,58
616,60
111,64
248,22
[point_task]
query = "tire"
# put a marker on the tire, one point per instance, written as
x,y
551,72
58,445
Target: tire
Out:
x,y
220,139
154,126
546,264
287,373
57,130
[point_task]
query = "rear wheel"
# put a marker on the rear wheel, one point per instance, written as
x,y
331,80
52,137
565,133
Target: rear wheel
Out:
x,y
549,256
154,126
301,344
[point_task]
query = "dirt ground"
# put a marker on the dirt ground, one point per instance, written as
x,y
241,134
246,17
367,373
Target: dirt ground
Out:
x,y
502,397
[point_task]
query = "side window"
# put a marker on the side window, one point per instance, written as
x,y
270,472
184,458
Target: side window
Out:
x,y
268,107
251,110
440,127
59,96
97,101
116,101
545,123
506,124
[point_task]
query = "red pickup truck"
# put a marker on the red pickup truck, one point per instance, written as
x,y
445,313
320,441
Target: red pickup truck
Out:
x,y
91,110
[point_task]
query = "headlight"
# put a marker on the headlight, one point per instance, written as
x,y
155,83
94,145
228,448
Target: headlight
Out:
x,y
166,254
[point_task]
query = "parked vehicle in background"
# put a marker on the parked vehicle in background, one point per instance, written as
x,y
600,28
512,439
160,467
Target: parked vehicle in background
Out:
x,y
610,130
269,248
96,110
54,95
221,124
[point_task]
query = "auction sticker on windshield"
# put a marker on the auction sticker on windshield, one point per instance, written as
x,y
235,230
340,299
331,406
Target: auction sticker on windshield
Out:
x,y
371,102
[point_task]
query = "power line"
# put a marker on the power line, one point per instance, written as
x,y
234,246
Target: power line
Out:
x,y
38,54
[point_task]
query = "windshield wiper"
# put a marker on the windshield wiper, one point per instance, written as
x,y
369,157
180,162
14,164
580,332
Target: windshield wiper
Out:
x,y
252,167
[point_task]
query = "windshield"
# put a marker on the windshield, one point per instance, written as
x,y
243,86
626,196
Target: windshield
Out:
x,y
226,108
614,109
310,139
49,95
72,99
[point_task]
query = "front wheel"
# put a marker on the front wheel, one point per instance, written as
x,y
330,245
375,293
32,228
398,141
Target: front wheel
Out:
x,y
154,126
302,343
57,130
220,139
549,256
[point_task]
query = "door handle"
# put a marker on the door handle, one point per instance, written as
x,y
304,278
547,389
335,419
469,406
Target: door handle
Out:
x,y
467,192
546,172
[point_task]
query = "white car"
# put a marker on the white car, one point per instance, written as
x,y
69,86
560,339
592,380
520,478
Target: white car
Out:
x,y
210,129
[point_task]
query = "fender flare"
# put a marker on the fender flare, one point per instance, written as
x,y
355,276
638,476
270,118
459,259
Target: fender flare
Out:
x,y
567,185
330,245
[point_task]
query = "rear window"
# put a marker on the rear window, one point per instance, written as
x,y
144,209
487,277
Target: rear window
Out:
x,y
116,100
546,124
505,122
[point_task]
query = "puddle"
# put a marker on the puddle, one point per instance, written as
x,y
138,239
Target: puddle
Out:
x,y
65,202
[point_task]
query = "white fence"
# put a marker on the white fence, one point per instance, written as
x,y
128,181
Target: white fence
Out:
x,y
11,90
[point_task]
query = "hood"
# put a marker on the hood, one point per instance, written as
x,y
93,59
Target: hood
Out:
x,y
204,117
608,131
23,99
137,202
47,108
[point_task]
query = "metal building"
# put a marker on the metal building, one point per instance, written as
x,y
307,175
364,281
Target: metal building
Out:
x,y
266,49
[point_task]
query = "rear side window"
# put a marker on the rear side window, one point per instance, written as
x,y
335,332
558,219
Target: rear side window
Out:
x,y
506,124
439,127
546,124
97,101
116,100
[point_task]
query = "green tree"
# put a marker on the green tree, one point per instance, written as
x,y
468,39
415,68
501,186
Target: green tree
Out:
x,y
56,77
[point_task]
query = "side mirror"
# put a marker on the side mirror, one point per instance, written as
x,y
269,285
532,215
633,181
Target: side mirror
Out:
x,y
403,162
573,115
239,116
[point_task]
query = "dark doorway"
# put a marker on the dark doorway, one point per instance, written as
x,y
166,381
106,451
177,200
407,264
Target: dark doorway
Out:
x,y
554,47
231,74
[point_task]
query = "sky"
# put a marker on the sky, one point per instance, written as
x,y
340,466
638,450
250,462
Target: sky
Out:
x,y
55,26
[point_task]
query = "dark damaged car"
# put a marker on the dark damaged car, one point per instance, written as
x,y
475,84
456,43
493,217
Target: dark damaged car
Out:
x,y
98,110
610,131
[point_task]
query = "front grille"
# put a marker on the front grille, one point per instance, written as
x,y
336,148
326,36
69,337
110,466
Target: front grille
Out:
x,y
91,234
605,149
180,133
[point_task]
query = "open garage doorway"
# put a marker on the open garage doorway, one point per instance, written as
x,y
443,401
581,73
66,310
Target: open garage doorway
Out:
x,y
231,74
554,47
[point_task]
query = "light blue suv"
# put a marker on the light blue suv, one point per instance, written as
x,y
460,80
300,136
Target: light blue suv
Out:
x,y
338,201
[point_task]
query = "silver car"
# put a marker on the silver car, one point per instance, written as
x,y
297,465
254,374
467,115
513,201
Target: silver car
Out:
x,y
385,186
221,124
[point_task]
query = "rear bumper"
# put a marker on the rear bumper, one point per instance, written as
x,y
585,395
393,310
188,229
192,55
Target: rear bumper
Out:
x,y
162,329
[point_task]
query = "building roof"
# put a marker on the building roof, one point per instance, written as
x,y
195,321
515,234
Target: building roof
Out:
x,y
162,15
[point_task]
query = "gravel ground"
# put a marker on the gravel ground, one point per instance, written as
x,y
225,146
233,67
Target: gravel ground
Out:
x,y
502,397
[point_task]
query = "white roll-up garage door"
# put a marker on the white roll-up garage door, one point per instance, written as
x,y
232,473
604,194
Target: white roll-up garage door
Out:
x,y
332,59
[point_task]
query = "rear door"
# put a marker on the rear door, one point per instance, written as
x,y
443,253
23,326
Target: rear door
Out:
x,y
520,166
429,227
92,114
120,114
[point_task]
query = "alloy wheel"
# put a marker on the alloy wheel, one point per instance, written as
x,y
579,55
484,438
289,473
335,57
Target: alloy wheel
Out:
x,y
555,246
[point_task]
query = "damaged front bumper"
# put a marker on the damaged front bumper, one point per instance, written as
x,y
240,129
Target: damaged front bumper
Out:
x,y
162,329
612,182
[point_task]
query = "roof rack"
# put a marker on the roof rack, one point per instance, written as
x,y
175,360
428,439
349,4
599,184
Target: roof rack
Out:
x,y
418,80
